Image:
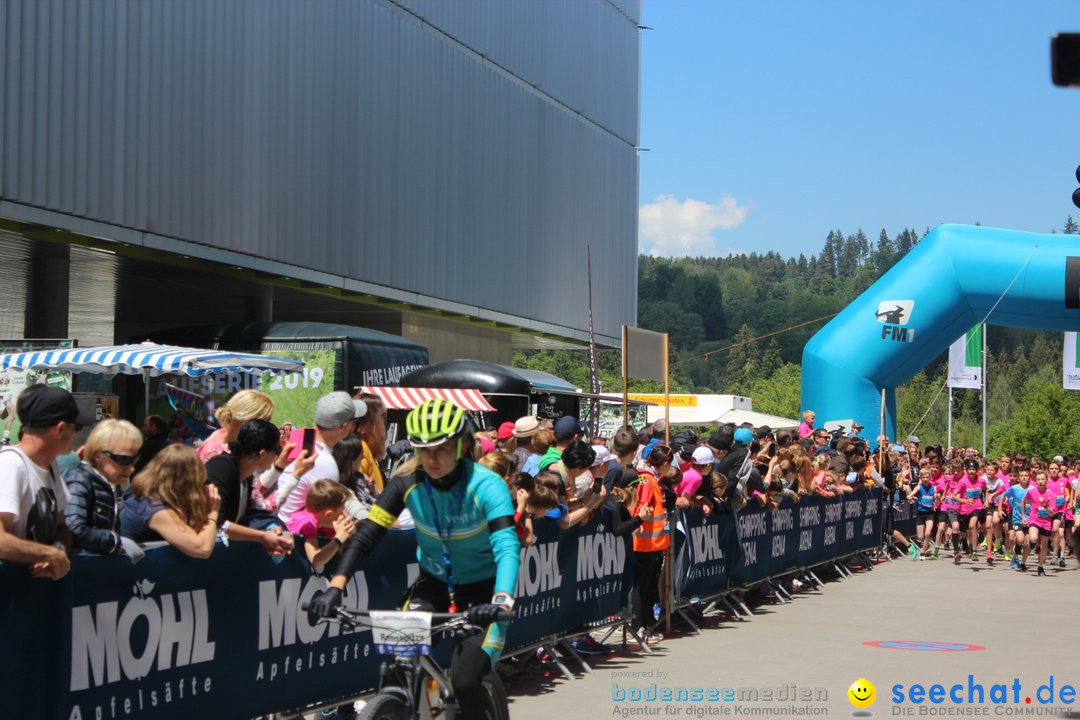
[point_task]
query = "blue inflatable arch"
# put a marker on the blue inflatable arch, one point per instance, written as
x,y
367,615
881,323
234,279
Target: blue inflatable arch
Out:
x,y
948,283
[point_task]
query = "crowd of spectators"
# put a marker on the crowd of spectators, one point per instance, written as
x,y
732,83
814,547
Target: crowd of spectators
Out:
x,y
252,482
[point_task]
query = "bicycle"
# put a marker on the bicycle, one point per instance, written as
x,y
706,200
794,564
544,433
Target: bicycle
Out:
x,y
410,679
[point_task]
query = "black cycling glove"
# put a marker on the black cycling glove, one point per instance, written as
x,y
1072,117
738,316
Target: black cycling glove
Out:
x,y
485,614
323,604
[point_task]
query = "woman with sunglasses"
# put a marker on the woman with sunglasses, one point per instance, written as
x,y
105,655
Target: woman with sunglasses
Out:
x,y
95,484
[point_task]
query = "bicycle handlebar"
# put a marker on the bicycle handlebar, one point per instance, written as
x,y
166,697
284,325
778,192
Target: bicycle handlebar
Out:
x,y
350,616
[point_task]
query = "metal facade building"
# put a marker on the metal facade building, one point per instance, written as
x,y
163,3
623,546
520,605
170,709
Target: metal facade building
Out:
x,y
432,158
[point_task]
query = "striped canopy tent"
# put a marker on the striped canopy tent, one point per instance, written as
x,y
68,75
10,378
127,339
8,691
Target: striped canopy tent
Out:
x,y
147,359
406,398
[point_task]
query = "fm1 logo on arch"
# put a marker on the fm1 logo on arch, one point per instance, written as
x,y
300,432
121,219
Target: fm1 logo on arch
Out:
x,y
894,315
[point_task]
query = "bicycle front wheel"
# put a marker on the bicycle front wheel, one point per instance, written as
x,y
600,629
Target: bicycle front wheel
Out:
x,y
385,707
495,703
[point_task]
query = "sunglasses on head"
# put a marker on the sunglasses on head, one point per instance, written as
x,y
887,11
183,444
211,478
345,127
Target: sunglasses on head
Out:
x,y
122,460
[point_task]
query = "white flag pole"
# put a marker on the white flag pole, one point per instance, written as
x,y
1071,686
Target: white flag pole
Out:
x,y
984,385
949,442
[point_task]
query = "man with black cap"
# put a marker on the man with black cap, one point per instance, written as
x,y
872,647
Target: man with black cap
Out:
x,y
32,493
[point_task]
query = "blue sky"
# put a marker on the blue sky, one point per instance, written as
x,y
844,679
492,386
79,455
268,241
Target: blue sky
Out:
x,y
771,122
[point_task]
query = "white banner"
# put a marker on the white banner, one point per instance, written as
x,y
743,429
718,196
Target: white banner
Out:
x,y
965,360
1070,372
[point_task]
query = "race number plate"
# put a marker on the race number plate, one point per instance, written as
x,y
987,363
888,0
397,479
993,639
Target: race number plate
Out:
x,y
401,633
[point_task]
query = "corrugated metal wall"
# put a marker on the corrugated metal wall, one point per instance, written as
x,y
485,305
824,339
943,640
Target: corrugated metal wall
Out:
x,y
92,297
16,254
349,136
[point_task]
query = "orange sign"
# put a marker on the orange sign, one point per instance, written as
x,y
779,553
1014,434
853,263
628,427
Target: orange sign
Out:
x,y
675,400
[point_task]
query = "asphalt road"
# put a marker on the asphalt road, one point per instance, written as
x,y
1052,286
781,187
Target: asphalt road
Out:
x,y
808,652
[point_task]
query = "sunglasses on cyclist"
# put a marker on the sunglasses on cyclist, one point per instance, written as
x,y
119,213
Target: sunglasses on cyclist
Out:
x,y
122,460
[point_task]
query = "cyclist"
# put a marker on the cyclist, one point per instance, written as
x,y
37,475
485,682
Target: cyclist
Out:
x,y
467,545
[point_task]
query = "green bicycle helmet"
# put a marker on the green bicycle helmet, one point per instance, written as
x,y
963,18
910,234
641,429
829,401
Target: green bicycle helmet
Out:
x,y
433,422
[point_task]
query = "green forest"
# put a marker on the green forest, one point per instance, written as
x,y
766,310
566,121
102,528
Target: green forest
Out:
x,y
738,324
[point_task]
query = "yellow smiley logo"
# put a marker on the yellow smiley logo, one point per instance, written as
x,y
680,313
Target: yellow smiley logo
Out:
x,y
862,693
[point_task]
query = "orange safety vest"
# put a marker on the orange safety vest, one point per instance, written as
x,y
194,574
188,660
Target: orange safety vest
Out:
x,y
651,536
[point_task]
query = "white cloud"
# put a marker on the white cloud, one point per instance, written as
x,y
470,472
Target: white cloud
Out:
x,y
672,228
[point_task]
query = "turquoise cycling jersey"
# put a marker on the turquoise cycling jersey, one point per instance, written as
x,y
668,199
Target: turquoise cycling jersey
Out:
x,y
475,514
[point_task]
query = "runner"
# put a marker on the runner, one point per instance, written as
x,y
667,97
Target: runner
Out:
x,y
925,497
1012,501
1072,515
949,527
968,494
1038,508
995,488
1060,487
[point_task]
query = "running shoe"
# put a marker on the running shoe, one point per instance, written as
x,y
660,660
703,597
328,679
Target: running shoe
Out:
x,y
1061,562
585,645
1040,571
1023,567
648,637
1014,565
957,558
1007,555
997,546
990,559
982,545
936,553
912,551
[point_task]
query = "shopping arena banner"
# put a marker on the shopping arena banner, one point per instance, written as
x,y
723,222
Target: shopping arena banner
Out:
x,y
798,535
903,517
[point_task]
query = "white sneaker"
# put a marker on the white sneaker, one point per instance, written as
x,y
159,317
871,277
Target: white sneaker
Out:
x,y
649,638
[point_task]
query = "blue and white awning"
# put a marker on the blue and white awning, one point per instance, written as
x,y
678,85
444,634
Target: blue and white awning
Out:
x,y
146,359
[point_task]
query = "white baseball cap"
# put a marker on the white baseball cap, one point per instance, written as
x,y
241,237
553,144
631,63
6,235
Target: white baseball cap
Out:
x,y
703,455
602,455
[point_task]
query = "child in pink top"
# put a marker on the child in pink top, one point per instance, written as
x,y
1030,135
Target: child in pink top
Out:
x,y
968,493
323,517
1059,484
1038,506
944,522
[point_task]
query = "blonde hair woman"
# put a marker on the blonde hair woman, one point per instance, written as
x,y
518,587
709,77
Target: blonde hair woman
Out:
x,y
807,426
109,457
171,501
243,406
